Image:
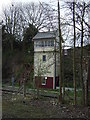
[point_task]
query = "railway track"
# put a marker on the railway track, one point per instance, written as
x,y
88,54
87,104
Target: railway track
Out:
x,y
7,90
29,93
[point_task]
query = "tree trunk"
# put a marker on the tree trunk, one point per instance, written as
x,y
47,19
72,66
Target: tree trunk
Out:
x,y
12,45
74,64
81,75
86,84
86,92
23,46
37,92
38,85
63,74
24,88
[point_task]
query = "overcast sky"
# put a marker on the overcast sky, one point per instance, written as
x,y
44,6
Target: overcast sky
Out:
x,y
4,3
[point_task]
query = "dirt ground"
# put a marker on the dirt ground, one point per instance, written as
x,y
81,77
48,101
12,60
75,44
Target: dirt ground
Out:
x,y
15,106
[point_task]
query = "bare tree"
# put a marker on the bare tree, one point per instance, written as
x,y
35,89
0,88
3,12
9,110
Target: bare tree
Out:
x,y
81,26
12,21
68,19
36,14
81,15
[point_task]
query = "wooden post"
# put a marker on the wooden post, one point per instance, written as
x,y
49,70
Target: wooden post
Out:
x,y
60,40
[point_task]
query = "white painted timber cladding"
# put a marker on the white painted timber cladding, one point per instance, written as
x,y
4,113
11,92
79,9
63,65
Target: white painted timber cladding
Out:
x,y
43,68
48,65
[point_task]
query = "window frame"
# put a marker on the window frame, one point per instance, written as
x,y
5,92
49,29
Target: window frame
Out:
x,y
49,43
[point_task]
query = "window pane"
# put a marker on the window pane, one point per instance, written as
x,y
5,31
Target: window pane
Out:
x,y
37,44
52,43
65,51
44,57
43,81
45,43
42,44
48,43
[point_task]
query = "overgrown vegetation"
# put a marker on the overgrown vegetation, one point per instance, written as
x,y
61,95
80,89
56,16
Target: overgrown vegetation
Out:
x,y
13,61
44,107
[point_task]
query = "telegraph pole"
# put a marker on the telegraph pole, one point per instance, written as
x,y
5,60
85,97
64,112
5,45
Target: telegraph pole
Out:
x,y
60,48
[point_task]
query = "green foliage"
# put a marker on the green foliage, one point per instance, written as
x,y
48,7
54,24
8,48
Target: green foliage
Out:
x,y
68,72
18,72
28,58
6,63
17,57
8,39
29,84
29,33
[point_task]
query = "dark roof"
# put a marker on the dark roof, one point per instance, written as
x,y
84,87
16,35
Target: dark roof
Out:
x,y
44,35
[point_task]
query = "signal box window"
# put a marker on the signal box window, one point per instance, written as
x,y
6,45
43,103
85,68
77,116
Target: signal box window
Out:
x,y
44,57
